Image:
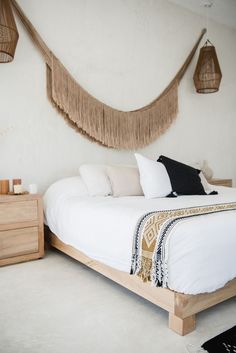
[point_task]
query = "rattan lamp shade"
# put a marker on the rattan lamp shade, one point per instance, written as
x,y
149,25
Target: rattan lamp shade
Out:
x,y
207,75
8,32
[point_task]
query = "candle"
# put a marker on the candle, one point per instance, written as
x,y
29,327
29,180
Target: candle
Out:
x,y
33,189
17,188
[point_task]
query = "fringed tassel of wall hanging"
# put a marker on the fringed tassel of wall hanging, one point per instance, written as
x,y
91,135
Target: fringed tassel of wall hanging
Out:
x,y
97,121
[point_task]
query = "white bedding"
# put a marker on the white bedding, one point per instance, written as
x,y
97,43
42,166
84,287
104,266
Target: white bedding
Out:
x,y
201,249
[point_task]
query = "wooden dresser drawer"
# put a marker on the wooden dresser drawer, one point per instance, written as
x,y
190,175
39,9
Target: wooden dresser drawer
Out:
x,y
21,228
18,242
22,211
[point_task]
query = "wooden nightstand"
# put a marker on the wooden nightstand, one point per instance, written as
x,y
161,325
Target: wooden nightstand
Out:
x,y
222,182
21,228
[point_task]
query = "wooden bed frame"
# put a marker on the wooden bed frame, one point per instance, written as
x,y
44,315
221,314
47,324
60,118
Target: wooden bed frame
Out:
x,y
181,307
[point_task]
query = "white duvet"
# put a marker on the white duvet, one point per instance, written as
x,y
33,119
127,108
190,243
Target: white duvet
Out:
x,y
202,250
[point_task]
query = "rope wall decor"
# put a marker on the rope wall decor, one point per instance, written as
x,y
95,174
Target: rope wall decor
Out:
x,y
94,119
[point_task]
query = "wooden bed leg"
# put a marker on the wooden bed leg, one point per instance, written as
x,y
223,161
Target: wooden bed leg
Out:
x,y
182,326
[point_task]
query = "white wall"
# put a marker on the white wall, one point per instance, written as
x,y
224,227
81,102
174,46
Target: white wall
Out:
x,y
124,52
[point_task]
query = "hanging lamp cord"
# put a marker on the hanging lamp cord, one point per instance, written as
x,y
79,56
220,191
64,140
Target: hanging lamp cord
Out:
x,y
208,42
207,6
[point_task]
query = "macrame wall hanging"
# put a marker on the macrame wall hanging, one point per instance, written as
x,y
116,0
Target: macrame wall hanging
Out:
x,y
94,119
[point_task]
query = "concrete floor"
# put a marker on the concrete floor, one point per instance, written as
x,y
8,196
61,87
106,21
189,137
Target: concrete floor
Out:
x,y
56,305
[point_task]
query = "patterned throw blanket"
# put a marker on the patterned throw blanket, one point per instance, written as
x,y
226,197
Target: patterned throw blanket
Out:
x,y
150,248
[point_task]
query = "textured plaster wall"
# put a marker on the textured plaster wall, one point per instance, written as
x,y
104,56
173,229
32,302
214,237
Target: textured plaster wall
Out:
x,y
124,52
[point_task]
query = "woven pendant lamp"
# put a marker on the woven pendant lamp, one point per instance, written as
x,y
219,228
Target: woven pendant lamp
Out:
x,y
207,76
8,32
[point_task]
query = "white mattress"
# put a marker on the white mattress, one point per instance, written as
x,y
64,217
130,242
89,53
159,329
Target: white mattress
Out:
x,y
201,249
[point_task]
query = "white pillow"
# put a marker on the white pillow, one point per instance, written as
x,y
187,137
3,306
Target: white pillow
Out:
x,y
125,181
206,186
96,179
154,178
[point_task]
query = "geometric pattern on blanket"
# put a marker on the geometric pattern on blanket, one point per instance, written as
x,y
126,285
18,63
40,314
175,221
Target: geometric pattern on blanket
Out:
x,y
151,239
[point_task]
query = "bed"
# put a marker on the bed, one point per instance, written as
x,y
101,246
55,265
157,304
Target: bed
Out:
x,y
99,232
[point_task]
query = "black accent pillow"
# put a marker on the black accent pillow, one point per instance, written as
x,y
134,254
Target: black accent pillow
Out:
x,y
185,180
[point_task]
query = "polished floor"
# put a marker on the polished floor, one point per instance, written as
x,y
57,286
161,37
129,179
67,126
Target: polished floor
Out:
x,y
56,305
